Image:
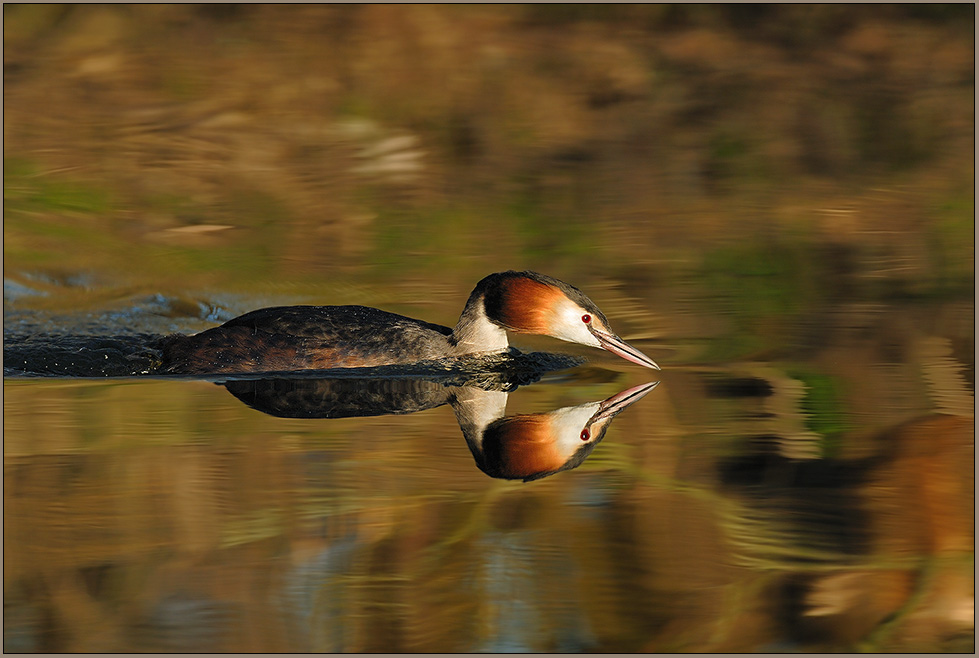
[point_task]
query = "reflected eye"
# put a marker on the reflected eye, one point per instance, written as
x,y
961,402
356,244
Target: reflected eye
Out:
x,y
585,435
586,318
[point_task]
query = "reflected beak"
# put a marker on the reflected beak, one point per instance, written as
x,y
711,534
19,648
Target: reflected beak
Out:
x,y
616,345
607,409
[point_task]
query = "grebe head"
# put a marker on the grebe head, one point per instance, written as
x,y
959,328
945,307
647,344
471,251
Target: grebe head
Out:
x,y
532,446
533,303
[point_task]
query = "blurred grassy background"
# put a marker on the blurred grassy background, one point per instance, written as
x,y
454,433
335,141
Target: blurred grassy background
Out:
x,y
237,146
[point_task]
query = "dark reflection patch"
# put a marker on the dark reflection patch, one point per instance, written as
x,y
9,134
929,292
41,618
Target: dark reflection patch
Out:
x,y
739,387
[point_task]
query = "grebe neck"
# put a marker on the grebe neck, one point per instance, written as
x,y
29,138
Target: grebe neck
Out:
x,y
475,332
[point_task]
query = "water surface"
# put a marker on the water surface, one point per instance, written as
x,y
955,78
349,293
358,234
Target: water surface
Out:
x,y
737,506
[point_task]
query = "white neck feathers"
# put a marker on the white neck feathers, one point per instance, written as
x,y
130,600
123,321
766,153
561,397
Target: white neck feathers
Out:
x,y
476,333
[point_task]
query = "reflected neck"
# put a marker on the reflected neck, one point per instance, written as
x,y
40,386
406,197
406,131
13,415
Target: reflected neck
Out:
x,y
475,409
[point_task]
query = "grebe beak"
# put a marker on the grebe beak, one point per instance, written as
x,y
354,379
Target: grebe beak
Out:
x,y
608,409
616,345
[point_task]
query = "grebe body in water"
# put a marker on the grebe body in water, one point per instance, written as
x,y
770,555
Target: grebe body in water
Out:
x,y
317,337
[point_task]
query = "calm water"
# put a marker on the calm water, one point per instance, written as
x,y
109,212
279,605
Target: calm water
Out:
x,y
774,202
741,506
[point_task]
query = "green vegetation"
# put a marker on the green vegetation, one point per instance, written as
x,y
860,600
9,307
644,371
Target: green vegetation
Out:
x,y
54,221
824,407
764,288
27,190
756,281
953,243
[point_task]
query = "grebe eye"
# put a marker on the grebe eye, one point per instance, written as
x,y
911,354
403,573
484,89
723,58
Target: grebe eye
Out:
x,y
586,318
585,435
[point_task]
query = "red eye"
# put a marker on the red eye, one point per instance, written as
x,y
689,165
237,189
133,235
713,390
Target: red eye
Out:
x,y
586,318
585,435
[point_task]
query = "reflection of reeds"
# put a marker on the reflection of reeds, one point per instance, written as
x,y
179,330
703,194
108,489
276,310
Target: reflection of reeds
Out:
x,y
788,420
943,375
764,538
766,541
756,400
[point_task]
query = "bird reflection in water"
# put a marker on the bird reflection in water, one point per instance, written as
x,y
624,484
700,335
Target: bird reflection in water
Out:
x,y
519,447
531,446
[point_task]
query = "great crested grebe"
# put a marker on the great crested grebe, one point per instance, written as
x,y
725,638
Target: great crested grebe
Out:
x,y
285,338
